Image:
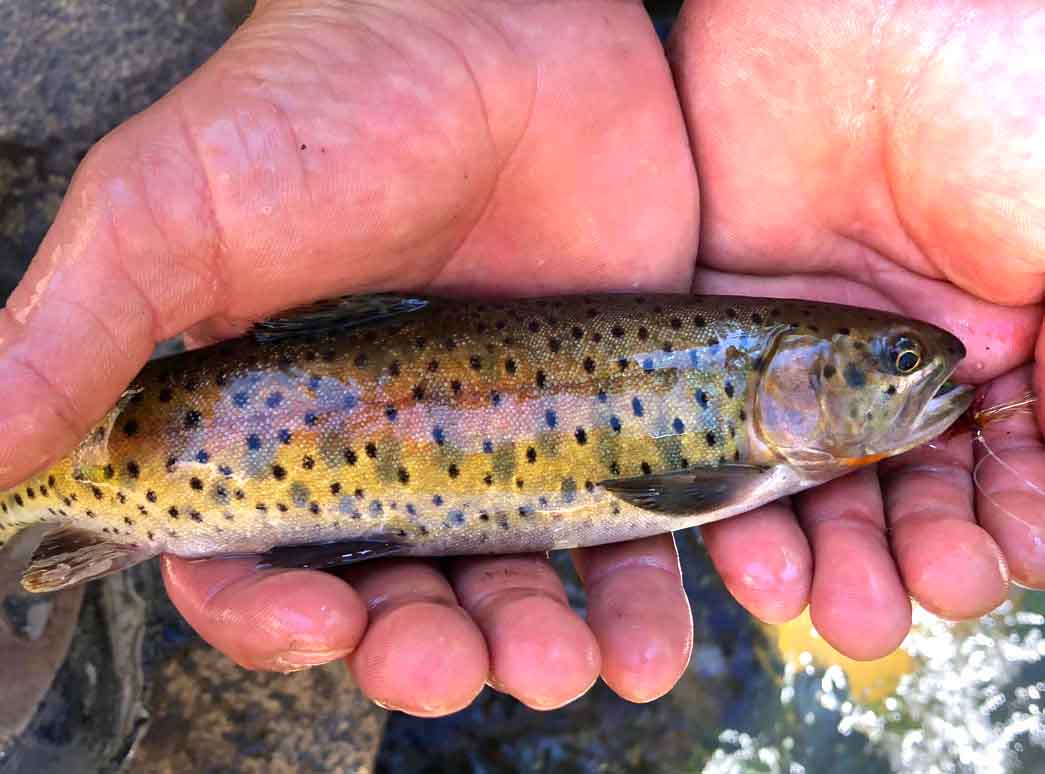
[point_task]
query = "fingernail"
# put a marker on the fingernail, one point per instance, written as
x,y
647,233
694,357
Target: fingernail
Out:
x,y
298,660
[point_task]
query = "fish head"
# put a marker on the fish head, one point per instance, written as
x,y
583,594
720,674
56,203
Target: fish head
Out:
x,y
842,393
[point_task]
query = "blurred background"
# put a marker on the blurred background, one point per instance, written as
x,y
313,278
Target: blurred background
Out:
x,y
109,678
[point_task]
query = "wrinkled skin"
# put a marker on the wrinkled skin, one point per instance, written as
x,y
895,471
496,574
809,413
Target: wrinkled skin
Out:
x,y
867,153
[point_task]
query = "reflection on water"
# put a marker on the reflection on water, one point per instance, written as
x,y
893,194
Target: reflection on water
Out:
x,y
955,698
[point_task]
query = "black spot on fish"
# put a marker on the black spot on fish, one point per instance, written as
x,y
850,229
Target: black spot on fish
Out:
x,y
150,496
195,516
282,507
589,365
130,427
453,471
279,472
890,390
581,435
550,419
531,455
273,400
455,386
541,379
360,360
438,435
622,364
534,326
854,377
393,368
843,331
488,479
107,471
313,507
742,414
371,450
699,321
487,447
165,395
678,425
335,488
98,494
172,512
202,456
285,436
495,398
404,475
756,318
636,407
577,332
196,483
133,470
829,371
18,500
475,363
192,419
391,413
729,389
253,442
554,345
602,396
675,323
437,500
31,492
311,419
519,483
510,366
711,439
615,423
307,462
645,467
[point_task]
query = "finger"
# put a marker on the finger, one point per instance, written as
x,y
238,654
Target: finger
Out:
x,y
948,563
857,602
764,559
1010,479
639,613
276,620
422,654
541,652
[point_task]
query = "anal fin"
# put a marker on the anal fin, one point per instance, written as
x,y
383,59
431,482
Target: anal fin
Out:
x,y
688,492
68,556
319,556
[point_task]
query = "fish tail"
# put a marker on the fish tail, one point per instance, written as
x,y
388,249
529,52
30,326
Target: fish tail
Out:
x,y
34,525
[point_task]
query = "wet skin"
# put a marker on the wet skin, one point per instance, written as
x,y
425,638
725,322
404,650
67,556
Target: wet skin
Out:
x,y
517,149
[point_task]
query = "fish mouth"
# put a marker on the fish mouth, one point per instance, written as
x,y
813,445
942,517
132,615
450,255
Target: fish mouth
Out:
x,y
948,402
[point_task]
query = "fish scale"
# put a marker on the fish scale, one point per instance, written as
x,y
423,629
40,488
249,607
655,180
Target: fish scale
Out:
x,y
435,427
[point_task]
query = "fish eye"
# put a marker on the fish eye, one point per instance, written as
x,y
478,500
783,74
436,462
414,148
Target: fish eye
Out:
x,y
906,355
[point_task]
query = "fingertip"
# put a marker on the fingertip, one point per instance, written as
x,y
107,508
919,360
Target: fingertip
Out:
x,y
541,652
765,561
422,657
857,602
276,620
952,568
640,615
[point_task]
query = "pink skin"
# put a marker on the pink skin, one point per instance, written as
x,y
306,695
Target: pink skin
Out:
x,y
518,148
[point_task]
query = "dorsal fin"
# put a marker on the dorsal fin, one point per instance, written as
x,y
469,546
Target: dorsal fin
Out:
x,y
335,314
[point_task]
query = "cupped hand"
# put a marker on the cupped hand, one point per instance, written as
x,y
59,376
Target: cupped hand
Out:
x,y
510,148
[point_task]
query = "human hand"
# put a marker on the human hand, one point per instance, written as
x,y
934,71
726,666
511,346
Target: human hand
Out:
x,y
332,148
884,156
214,200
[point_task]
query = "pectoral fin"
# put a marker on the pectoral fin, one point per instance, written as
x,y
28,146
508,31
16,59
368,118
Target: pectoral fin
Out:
x,y
68,556
688,492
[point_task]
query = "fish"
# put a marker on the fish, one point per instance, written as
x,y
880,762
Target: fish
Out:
x,y
386,426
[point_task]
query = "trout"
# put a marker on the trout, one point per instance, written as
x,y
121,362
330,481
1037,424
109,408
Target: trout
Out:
x,y
379,426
